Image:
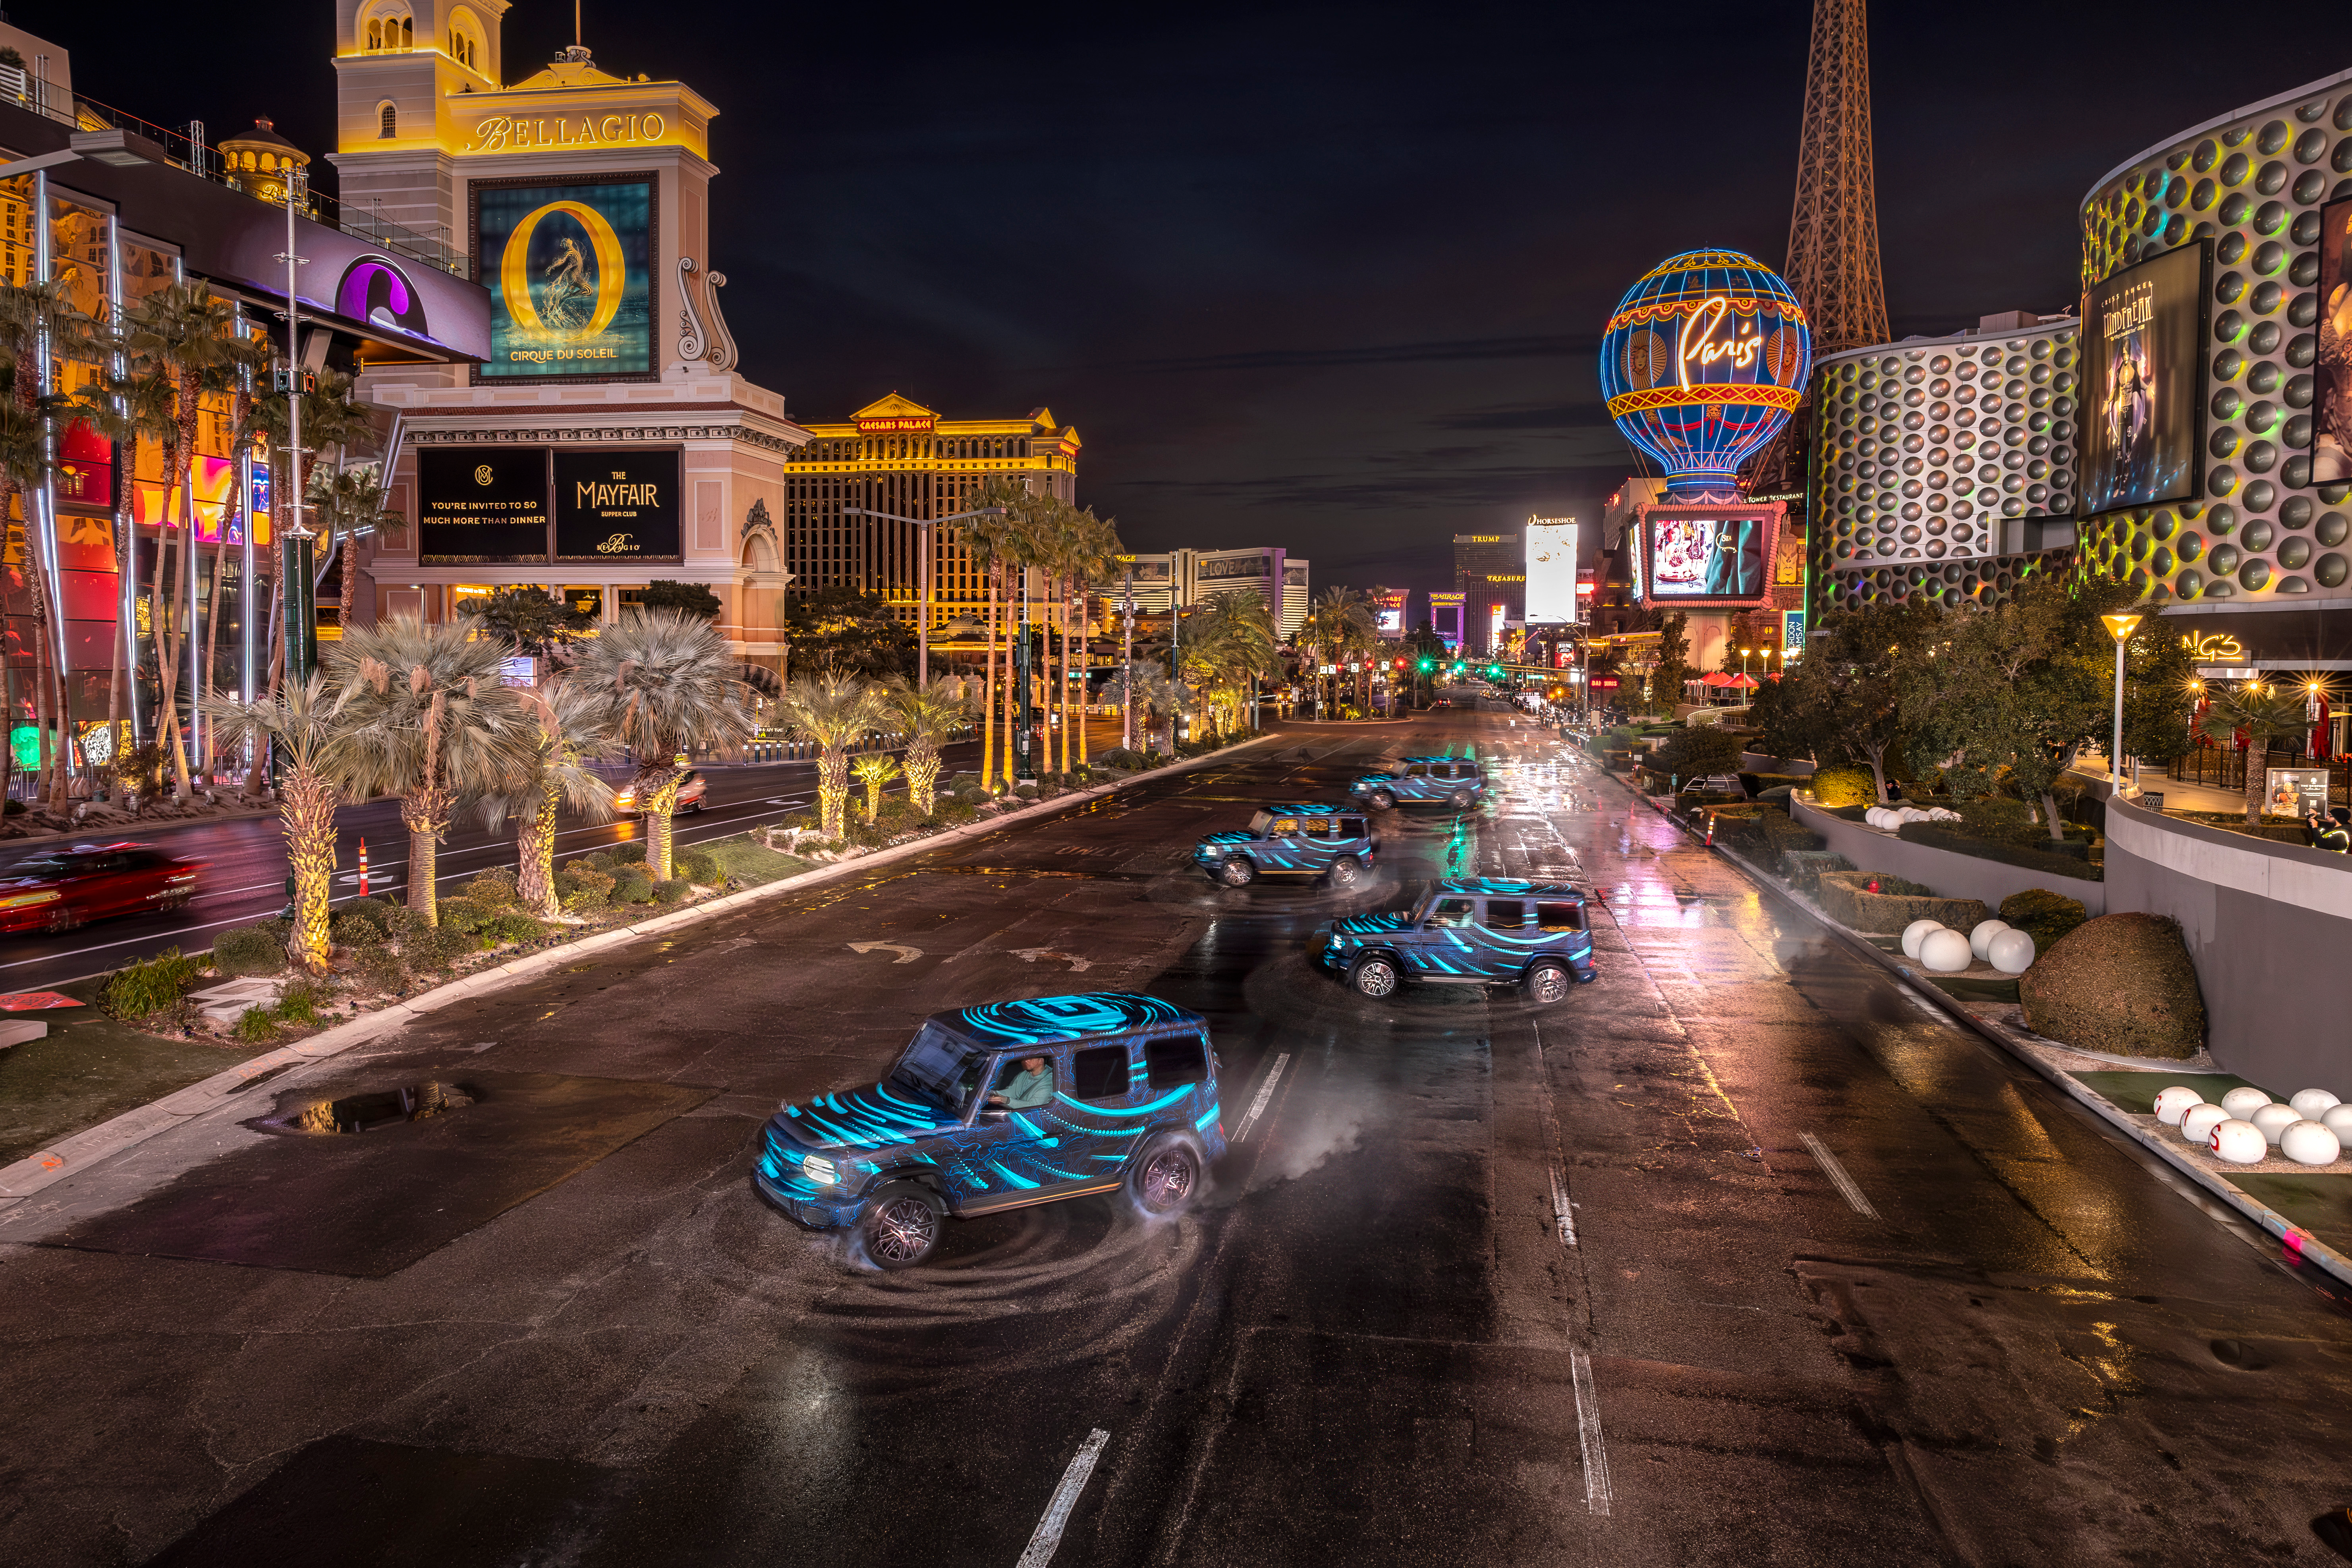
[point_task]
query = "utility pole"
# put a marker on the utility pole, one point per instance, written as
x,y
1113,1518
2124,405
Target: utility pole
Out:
x,y
1127,660
294,563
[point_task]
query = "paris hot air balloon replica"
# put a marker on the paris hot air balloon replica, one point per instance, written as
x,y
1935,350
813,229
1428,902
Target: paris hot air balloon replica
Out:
x,y
1704,361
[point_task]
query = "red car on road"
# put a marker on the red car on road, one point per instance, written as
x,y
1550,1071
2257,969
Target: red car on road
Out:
x,y
690,795
61,888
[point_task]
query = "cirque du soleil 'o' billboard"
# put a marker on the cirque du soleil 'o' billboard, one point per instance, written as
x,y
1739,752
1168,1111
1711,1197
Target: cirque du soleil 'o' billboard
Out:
x,y
570,268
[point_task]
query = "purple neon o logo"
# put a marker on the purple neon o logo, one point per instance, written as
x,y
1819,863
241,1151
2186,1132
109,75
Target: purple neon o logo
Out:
x,y
373,289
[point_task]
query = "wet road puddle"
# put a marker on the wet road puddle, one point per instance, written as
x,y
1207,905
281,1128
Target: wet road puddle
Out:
x,y
389,1108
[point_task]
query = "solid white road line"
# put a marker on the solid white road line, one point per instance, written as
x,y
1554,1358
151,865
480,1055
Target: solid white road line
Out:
x,y
1838,1178
1264,1093
1588,1431
1048,1533
1560,1207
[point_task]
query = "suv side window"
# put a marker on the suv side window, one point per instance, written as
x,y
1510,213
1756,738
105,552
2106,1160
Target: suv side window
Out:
x,y
1177,1059
1451,912
1099,1073
1559,917
1348,828
1505,914
1417,770
1319,827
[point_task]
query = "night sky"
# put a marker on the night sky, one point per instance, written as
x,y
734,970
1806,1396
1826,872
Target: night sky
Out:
x,y
1323,277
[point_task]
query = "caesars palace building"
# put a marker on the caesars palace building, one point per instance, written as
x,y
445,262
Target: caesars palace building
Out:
x,y
609,440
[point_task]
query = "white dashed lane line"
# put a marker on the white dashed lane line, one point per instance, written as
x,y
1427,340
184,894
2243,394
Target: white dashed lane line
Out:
x,y
1838,1178
1048,1533
1264,1093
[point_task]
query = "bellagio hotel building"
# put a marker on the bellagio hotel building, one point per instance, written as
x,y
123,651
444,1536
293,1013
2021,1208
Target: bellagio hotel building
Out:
x,y
900,457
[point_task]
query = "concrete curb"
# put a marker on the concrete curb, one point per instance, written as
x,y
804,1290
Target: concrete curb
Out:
x,y
70,1156
2298,1242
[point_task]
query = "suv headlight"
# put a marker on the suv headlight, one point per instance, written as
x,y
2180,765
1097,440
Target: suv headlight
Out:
x,y
819,1169
1214,851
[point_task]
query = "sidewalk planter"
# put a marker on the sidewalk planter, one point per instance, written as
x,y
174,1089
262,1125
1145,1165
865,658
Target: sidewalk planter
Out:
x,y
1959,876
1845,895
2267,927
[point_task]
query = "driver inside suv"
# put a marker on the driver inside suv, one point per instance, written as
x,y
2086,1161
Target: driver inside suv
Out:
x,y
1026,1090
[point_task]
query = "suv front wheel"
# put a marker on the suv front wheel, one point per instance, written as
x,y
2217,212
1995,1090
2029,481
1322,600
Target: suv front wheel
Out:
x,y
899,1226
1237,873
1546,983
1166,1177
1461,800
1373,975
1347,872
1384,801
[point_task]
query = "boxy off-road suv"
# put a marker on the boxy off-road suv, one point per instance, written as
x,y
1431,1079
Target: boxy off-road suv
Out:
x,y
1470,930
1331,841
1127,1097
1458,781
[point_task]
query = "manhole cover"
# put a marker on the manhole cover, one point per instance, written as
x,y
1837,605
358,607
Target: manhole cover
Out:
x,y
386,1108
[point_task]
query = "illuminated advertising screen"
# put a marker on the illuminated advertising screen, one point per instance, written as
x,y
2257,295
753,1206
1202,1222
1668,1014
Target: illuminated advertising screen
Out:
x,y
1551,571
570,268
480,504
617,505
2331,409
2143,393
1699,559
1388,612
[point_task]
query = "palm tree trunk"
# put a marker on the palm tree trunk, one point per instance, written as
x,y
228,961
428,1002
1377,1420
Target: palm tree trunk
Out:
x,y
833,790
213,621
306,816
922,773
2257,752
535,856
41,714
988,699
1085,677
658,789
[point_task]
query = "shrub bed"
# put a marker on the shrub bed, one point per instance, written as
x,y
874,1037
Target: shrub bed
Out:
x,y
1805,867
2121,984
2044,916
1943,836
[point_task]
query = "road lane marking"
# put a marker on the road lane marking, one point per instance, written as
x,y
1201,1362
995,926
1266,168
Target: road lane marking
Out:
x,y
1264,1093
905,954
1032,954
1587,1432
1838,1178
1048,1535
1560,1207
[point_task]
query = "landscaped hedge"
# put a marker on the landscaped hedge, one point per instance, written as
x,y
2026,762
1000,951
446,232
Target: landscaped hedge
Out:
x,y
1835,788
1943,836
2043,915
1805,867
1899,902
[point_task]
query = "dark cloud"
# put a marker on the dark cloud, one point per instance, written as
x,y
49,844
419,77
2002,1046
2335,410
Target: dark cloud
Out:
x,y
1316,275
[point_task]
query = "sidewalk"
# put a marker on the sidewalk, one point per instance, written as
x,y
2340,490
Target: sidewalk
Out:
x,y
2178,794
2307,1207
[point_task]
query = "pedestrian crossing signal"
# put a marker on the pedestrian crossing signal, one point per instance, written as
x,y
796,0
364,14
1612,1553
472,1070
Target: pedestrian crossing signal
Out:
x,y
285,378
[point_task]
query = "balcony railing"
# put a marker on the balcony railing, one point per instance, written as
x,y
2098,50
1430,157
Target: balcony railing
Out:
x,y
54,101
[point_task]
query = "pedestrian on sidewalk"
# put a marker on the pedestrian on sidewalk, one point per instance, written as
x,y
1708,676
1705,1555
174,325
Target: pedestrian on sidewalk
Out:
x,y
2334,836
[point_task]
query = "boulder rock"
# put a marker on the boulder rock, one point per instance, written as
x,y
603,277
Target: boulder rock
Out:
x,y
2121,984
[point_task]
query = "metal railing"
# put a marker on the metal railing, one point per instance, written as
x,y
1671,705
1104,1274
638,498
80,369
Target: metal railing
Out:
x,y
2224,768
53,101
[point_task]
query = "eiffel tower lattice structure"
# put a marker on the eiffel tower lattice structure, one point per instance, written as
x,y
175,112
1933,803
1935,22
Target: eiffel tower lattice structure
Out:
x,y
1833,232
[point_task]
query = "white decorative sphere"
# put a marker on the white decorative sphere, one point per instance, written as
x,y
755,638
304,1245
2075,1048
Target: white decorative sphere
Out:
x,y
2239,1143
1875,817
1980,937
2311,1102
2011,952
2244,1100
2273,1120
1916,932
2310,1143
1945,952
2174,1103
2197,1122
2338,1119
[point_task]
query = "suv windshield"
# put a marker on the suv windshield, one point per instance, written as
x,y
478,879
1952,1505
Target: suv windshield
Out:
x,y
941,1066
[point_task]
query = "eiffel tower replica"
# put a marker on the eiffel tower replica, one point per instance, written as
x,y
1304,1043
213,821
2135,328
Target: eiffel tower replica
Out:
x,y
1833,233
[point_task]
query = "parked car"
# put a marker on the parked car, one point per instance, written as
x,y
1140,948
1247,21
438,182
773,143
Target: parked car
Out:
x,y
997,1107
1459,782
1332,841
62,889
1470,930
690,795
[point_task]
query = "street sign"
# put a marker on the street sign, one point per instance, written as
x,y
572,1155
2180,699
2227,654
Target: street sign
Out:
x,y
1604,683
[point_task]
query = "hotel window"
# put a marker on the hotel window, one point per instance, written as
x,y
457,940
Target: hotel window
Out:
x,y
388,120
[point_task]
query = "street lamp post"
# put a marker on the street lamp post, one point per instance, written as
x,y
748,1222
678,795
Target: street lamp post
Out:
x,y
1127,660
922,577
2120,626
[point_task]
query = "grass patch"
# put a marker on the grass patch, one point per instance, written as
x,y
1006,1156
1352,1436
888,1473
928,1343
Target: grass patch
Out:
x,y
751,863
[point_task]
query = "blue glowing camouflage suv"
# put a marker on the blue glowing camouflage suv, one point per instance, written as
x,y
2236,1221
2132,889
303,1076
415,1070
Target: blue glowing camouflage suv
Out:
x,y
1457,781
1331,841
1128,1100
1470,930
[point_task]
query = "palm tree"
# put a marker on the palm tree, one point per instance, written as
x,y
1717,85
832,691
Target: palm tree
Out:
x,y
420,713
993,544
26,460
1146,689
873,770
329,418
2261,713
1229,645
571,719
836,712
1095,555
1340,620
300,726
927,718
127,410
670,687
184,333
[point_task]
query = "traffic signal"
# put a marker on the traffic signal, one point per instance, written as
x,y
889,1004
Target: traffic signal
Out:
x,y
1495,671
1427,665
285,378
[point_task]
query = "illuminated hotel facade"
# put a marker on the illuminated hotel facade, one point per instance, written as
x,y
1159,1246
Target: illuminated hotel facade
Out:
x,y
898,457
1193,577
606,440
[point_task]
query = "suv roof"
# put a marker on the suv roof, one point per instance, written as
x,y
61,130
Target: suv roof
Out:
x,y
1505,887
1051,1020
1314,810
1472,760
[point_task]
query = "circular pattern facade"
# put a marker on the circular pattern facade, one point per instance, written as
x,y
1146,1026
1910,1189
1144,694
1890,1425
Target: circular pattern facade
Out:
x,y
2254,185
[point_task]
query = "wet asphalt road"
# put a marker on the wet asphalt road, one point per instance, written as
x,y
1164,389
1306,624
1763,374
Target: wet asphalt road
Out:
x,y
244,858
1841,1284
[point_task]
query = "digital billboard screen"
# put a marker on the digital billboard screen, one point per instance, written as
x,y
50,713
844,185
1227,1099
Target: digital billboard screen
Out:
x,y
2331,409
1551,571
478,504
619,504
570,270
1696,559
2143,398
